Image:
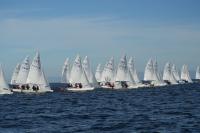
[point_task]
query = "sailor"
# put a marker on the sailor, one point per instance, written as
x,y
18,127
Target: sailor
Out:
x,y
37,88
27,87
80,85
34,88
23,87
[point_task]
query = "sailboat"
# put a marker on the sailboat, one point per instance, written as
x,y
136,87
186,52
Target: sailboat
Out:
x,y
185,76
36,79
78,79
108,74
121,75
168,75
124,79
98,73
23,72
4,88
88,71
134,75
198,73
65,72
15,74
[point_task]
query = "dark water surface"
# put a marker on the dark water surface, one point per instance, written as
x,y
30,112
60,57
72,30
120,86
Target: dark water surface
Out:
x,y
166,109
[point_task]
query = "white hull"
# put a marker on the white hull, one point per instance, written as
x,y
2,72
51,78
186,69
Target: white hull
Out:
x,y
39,91
31,91
16,90
3,91
81,89
107,87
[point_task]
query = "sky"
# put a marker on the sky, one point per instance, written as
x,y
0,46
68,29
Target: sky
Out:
x,y
165,30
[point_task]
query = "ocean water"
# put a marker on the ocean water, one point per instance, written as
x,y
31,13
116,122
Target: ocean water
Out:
x,y
165,109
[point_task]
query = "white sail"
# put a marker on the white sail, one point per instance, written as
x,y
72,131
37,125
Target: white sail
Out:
x,y
168,75
4,88
185,74
3,83
65,72
23,73
44,85
98,73
35,70
198,73
148,73
130,81
15,74
155,72
157,80
76,72
84,80
132,70
108,74
122,70
175,73
88,71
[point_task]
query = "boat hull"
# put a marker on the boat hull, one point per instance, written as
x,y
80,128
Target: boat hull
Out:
x,y
3,91
81,89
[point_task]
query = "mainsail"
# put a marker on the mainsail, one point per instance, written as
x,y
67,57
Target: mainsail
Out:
x,y
132,70
88,71
198,73
108,73
65,72
148,73
76,72
35,70
175,73
98,73
43,82
168,75
23,73
185,74
122,70
157,80
3,84
15,74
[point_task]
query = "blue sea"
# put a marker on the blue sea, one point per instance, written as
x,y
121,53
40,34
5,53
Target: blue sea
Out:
x,y
163,110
